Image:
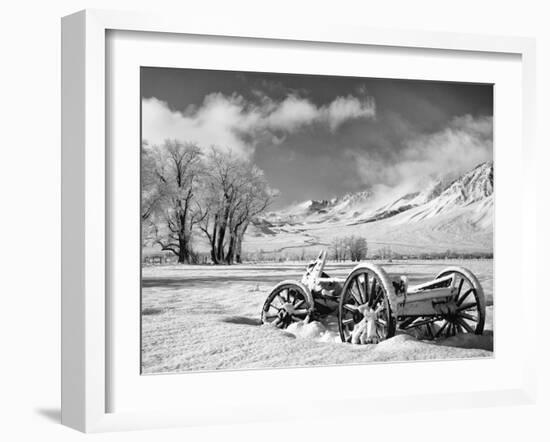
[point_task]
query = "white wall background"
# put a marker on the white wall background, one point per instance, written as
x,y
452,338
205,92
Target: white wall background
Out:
x,y
30,214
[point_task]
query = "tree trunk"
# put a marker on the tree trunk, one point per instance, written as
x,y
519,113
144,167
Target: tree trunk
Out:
x,y
239,243
222,230
213,253
213,256
221,237
183,256
230,249
238,251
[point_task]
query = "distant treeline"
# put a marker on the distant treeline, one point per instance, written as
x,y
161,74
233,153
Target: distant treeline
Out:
x,y
307,255
441,255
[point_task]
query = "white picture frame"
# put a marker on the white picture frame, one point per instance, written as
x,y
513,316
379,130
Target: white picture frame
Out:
x,y
85,199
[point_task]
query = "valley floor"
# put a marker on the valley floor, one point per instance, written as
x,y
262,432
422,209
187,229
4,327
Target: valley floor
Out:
x,y
207,318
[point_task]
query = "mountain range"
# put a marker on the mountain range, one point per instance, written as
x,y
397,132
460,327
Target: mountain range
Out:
x,y
450,213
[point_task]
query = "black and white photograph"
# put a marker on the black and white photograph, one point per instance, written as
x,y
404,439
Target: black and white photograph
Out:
x,y
275,223
293,220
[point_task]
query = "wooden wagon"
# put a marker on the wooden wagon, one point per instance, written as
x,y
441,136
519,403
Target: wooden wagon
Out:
x,y
371,305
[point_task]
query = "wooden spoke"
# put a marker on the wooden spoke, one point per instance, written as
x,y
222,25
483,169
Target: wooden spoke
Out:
x,y
464,296
275,307
449,329
350,307
460,287
459,328
299,303
348,321
430,331
376,297
352,299
302,311
361,299
466,306
280,298
465,325
297,318
467,316
373,292
269,317
355,296
438,334
366,286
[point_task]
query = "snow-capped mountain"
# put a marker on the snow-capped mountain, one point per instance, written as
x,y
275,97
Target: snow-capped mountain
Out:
x,y
472,191
442,213
440,198
348,206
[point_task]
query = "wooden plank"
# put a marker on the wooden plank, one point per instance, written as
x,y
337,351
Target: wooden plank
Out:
x,y
431,294
421,308
427,285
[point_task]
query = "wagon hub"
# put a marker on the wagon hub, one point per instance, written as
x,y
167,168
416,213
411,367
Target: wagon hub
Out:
x,y
446,307
288,308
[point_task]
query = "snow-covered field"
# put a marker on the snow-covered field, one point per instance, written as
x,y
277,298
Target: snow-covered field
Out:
x,y
207,318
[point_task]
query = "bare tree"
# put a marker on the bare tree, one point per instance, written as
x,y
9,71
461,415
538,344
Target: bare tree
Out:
x,y
151,187
174,170
254,198
353,246
151,191
338,249
357,247
235,193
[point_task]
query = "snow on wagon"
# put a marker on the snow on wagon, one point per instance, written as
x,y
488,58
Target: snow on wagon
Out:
x,y
371,305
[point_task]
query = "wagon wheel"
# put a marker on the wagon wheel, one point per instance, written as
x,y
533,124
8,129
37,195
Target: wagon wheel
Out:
x,y
288,302
466,314
364,312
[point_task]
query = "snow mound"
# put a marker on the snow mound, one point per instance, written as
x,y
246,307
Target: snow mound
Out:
x,y
312,330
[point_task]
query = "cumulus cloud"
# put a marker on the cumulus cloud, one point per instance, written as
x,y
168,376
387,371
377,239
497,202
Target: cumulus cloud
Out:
x,y
464,143
289,114
343,109
236,123
219,121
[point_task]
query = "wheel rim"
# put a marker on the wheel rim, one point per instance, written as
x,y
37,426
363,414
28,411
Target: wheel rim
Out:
x,y
364,295
464,315
285,304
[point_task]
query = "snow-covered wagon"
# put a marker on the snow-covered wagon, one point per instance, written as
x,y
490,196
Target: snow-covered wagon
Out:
x,y
370,305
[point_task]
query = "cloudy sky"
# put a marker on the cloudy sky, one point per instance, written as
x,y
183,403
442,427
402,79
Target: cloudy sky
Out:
x,y
317,137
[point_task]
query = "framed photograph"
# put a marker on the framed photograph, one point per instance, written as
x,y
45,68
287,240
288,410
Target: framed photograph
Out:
x,y
245,209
